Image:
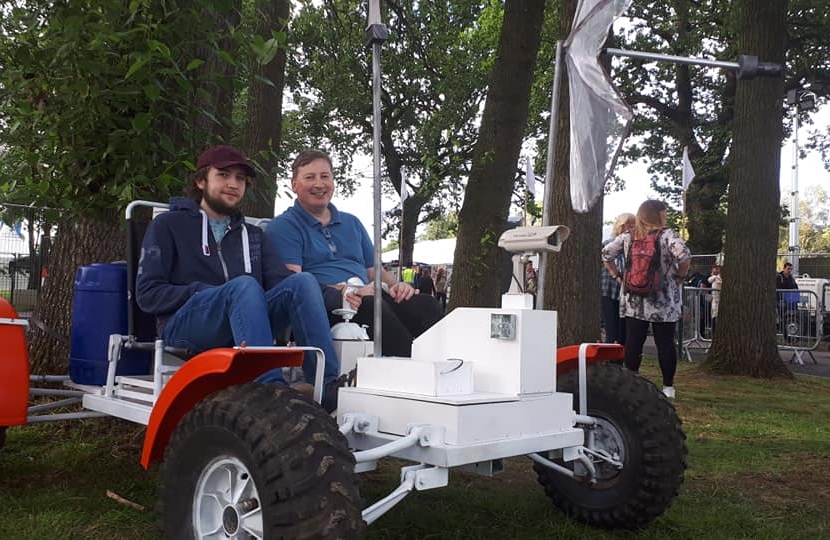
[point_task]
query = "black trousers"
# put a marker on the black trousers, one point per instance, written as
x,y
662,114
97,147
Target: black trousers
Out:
x,y
402,322
636,331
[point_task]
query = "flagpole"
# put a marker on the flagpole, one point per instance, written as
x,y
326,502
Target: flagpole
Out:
x,y
549,168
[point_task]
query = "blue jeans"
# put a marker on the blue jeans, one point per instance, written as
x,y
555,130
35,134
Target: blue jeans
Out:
x,y
240,311
614,324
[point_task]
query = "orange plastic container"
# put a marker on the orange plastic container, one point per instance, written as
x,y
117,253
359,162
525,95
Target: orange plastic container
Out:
x,y
14,367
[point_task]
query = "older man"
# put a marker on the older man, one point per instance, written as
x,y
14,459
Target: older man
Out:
x,y
313,236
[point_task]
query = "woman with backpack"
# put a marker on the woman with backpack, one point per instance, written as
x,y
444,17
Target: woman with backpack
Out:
x,y
609,287
656,264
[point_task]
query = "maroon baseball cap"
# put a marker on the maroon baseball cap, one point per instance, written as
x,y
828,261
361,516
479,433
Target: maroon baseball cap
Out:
x,y
223,157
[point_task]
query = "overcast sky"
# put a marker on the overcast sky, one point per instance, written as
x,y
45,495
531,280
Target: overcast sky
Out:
x,y
811,172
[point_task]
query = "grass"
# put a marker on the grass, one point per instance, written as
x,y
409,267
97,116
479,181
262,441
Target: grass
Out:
x,y
759,468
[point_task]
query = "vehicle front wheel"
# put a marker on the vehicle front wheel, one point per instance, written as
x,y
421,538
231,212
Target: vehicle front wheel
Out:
x,y
258,461
637,425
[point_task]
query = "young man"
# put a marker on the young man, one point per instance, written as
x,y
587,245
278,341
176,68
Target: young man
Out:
x,y
784,279
313,236
212,281
787,301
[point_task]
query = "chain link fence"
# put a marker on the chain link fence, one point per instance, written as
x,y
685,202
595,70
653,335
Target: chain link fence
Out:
x,y
24,253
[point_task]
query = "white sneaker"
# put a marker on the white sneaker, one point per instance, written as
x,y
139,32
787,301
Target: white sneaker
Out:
x,y
669,391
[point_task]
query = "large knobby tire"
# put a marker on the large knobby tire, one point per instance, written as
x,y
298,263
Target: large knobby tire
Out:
x,y
636,423
259,461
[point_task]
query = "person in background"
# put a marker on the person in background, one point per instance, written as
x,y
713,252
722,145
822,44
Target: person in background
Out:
x,y
314,236
715,281
416,279
787,301
441,287
426,285
531,279
661,310
408,275
213,281
784,279
610,287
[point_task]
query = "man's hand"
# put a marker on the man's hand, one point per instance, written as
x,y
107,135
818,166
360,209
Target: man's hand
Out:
x,y
355,298
401,291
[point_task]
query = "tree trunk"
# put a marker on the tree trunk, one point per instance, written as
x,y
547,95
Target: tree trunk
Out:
x,y
411,207
745,342
80,241
409,226
264,124
213,99
483,216
706,218
572,275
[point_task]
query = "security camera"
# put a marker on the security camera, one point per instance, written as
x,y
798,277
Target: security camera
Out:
x,y
534,239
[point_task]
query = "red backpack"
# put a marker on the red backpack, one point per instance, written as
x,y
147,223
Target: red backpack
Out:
x,y
642,266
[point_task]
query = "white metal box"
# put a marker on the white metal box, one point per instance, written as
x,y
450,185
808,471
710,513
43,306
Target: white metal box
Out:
x,y
428,378
473,419
348,351
522,361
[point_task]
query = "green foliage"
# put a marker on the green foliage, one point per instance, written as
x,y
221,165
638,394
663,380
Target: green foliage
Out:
x,y
677,106
434,67
101,97
814,223
665,96
443,227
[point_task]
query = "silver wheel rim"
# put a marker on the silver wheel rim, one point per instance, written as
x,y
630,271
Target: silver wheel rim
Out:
x,y
608,438
226,503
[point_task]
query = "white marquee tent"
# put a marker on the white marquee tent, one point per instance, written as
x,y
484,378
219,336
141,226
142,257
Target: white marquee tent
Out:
x,y
428,252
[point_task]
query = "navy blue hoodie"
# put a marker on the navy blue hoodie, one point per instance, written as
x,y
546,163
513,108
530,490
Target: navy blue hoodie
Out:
x,y
180,257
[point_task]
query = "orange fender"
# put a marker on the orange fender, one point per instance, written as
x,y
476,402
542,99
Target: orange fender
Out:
x,y
14,368
199,377
567,358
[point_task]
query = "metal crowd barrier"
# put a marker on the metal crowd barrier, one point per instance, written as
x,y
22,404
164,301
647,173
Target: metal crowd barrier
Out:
x,y
696,327
798,322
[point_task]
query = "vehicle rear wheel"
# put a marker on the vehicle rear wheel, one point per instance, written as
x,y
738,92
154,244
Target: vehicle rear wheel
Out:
x,y
638,426
258,461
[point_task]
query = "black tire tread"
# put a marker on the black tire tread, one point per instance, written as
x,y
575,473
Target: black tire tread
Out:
x,y
655,458
300,461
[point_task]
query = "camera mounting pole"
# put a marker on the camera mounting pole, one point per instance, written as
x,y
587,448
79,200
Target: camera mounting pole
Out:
x,y
376,34
747,67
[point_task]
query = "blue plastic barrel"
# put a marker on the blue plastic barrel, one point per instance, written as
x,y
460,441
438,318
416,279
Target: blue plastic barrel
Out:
x,y
99,309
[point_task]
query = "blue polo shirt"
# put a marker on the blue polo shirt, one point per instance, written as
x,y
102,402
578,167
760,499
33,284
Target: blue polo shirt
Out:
x,y
334,253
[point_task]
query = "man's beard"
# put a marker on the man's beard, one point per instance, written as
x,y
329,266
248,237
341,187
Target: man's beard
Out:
x,y
218,205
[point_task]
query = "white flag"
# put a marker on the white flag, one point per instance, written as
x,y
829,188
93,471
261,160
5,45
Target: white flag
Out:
x,y
688,171
605,119
530,179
